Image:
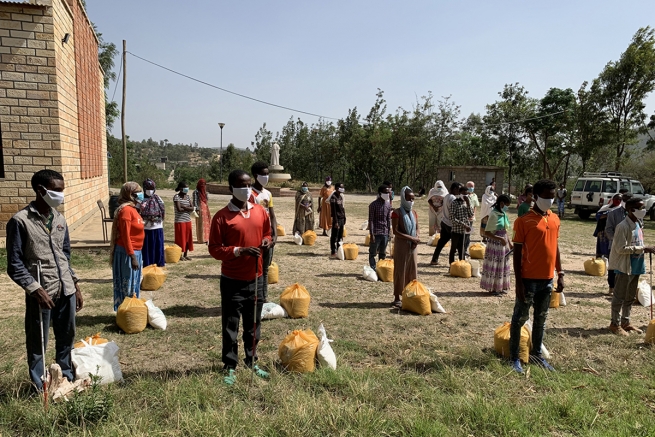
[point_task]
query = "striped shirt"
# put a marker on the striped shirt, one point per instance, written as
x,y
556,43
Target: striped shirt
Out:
x,y
182,216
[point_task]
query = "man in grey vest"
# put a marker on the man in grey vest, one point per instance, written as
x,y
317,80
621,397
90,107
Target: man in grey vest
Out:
x,y
615,217
38,234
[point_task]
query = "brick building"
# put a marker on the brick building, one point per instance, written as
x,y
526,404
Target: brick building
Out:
x,y
481,175
52,106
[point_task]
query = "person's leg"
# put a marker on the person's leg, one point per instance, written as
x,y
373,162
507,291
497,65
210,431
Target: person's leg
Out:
x,y
148,247
33,338
267,259
456,243
159,247
63,324
630,296
382,248
611,278
231,308
619,296
520,315
334,237
444,238
373,250
541,303
467,243
249,317
135,283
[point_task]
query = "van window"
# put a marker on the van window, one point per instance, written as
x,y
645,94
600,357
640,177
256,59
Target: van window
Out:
x,y
625,185
609,187
593,186
637,188
579,186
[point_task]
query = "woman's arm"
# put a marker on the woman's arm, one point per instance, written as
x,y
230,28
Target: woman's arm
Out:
x,y
401,235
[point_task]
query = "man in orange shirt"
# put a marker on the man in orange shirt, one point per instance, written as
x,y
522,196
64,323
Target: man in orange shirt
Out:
x,y
536,256
238,234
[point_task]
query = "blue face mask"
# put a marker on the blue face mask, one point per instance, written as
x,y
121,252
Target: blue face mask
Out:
x,y
471,189
392,195
304,189
505,208
185,190
139,196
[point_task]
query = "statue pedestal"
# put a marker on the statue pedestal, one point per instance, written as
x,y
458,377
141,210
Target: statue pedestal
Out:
x,y
275,168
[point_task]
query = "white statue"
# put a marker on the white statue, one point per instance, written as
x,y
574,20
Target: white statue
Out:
x,y
275,154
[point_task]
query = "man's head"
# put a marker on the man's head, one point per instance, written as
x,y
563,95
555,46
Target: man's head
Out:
x,y
339,188
238,179
625,196
562,186
259,168
544,189
47,180
463,191
454,188
635,208
616,200
383,189
529,193
470,185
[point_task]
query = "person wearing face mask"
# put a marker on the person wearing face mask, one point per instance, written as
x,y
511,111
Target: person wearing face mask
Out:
x,y
239,234
202,209
338,218
304,217
39,233
487,204
603,243
524,195
183,227
379,225
127,235
405,255
528,199
325,218
496,265
536,257
446,222
561,200
435,207
263,197
627,260
392,195
461,215
617,215
153,212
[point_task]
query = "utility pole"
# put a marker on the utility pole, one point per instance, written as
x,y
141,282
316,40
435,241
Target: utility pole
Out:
x,y
123,112
221,125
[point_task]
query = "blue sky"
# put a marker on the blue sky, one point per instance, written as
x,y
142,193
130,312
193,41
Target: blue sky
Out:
x,y
326,57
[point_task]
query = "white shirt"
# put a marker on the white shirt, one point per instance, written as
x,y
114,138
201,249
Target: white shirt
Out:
x,y
447,201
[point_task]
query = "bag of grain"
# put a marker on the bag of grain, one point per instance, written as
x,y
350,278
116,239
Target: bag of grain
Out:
x,y
501,342
91,341
172,254
475,268
433,240
460,269
384,269
309,238
273,273
295,300
153,278
644,293
132,315
351,251
477,250
100,360
595,267
297,238
279,229
156,317
554,299
297,351
363,226
271,310
416,299
435,305
324,353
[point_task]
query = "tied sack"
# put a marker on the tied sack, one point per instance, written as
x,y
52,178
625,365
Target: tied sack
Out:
x,y
384,269
644,294
295,300
324,353
554,299
435,305
297,351
477,251
172,254
595,267
297,238
475,268
271,310
279,230
650,332
460,269
416,299
501,342
351,251
434,240
153,278
340,253
370,275
156,317
309,238
100,359
273,273
91,341
132,315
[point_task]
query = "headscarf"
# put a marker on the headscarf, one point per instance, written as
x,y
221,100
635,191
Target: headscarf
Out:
x,y
406,213
438,190
201,189
125,199
488,201
151,209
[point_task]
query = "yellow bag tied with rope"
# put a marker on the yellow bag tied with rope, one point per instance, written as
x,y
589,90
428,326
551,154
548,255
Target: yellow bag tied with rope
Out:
x,y
554,299
416,299
295,300
650,332
501,342
476,251
279,229
351,251
384,269
172,254
132,315
297,351
273,273
153,278
95,339
460,269
367,240
309,238
594,267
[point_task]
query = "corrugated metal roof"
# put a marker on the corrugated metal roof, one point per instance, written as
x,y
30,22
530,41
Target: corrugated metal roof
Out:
x,y
22,4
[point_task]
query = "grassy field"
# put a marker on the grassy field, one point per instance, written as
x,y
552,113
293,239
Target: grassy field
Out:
x,y
398,374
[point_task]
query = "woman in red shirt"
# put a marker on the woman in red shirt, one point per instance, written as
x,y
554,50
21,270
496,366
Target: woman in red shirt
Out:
x,y
127,236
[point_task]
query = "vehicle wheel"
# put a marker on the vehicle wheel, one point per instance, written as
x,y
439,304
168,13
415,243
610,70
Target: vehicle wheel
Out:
x,y
584,215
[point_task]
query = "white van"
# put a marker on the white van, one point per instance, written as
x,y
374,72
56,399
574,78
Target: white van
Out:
x,y
594,190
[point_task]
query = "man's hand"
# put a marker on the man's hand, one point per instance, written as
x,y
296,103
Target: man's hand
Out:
x,y
266,244
135,262
79,300
274,241
372,238
43,299
250,251
519,289
560,284
467,228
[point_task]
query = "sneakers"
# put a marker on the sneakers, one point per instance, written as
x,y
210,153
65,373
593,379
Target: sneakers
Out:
x,y
629,328
397,303
616,329
230,377
260,373
539,361
516,366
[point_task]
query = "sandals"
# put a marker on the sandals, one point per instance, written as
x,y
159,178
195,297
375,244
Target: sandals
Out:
x,y
230,378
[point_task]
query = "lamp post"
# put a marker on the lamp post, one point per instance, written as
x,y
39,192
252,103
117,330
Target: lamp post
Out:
x,y
221,125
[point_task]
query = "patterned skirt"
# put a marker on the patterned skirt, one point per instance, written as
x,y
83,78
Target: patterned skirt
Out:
x,y
496,266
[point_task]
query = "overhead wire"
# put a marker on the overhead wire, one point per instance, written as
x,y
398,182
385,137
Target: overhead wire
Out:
x,y
120,70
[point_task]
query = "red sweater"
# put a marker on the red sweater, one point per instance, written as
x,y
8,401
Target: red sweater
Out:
x,y
130,230
229,230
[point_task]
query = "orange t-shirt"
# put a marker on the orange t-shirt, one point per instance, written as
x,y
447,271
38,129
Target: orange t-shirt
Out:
x,y
130,230
538,235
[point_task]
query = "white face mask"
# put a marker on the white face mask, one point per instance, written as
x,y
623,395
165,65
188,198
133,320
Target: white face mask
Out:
x,y
150,192
544,204
342,190
328,183
622,205
53,198
242,194
385,196
411,205
262,180
640,213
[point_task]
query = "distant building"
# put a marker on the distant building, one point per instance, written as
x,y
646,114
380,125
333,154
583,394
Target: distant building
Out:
x,y
480,175
52,106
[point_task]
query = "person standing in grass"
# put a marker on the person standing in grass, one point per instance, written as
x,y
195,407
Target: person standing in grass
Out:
x,y
487,204
127,235
435,205
561,200
183,228
527,201
325,218
39,233
496,264
627,260
304,218
239,234
446,223
603,243
461,215
405,256
536,257
614,217
202,209
379,225
153,212
338,218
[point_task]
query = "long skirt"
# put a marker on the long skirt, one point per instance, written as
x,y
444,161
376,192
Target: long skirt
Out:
x,y
435,223
184,236
496,266
303,223
127,281
325,219
405,262
202,224
153,247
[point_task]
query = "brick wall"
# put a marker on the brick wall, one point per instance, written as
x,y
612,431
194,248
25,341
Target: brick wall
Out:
x,y
476,174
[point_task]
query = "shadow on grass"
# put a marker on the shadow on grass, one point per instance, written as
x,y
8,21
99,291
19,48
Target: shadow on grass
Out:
x,y
97,281
579,332
184,311
463,293
196,276
356,305
87,320
340,275
303,254
479,362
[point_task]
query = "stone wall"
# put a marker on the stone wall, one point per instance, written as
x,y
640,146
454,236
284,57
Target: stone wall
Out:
x,y
478,174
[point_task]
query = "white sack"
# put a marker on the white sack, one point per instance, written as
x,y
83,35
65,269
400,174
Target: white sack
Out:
x,y
271,310
325,354
370,274
297,238
100,359
644,293
435,305
156,317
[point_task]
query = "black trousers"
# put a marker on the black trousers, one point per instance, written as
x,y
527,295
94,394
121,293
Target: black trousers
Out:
x,y
335,237
237,302
267,260
457,244
444,238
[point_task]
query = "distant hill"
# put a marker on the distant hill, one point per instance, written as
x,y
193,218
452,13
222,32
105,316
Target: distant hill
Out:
x,y
643,138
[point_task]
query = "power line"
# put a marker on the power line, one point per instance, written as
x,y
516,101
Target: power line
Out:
x,y
120,70
231,92
525,119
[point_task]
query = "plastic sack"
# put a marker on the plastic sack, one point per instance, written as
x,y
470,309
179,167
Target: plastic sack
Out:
x,y
475,268
416,299
370,275
501,342
435,306
384,269
595,267
607,264
271,310
340,252
324,353
156,317
351,251
367,240
273,273
562,300
650,332
153,277
363,226
101,360
172,254
477,250
132,315
460,269
554,299
309,238
544,351
297,351
295,300
279,229
433,240
644,293
95,339
297,238
345,232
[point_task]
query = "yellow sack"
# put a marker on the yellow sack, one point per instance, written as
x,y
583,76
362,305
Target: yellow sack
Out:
x,y
297,351
554,299
416,299
351,251
501,342
172,253
435,240
153,278
476,251
91,341
460,269
595,267
345,232
367,240
650,332
309,238
384,269
132,315
295,300
273,273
